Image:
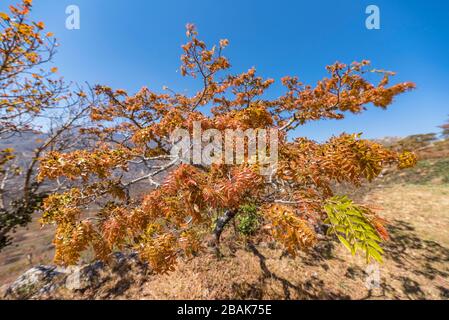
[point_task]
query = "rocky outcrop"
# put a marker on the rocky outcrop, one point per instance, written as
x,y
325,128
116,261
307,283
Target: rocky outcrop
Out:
x,y
98,280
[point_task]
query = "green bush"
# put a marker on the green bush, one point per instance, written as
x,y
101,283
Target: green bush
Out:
x,y
248,219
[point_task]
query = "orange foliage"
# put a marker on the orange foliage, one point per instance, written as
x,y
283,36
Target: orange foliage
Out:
x,y
174,217
26,88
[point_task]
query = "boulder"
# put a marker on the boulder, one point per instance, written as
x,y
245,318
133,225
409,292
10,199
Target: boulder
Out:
x,y
95,280
36,281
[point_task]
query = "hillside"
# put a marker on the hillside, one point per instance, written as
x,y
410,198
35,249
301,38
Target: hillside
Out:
x,y
415,202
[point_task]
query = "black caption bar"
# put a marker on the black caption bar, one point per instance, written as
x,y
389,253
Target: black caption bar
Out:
x,y
148,310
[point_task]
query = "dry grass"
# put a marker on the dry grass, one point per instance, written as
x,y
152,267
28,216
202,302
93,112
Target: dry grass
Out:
x,y
31,246
425,208
416,264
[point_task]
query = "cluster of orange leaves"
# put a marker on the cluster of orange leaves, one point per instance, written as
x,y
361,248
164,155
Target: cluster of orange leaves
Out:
x,y
83,164
292,231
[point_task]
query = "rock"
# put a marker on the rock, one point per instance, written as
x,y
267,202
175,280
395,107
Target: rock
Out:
x,y
83,277
93,280
38,280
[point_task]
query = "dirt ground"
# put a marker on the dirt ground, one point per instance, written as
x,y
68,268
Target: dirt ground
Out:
x,y
416,260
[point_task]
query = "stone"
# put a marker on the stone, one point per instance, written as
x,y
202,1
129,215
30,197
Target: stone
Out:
x,y
104,279
84,277
38,280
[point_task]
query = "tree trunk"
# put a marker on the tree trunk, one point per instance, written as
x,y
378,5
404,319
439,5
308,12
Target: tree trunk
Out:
x,y
219,227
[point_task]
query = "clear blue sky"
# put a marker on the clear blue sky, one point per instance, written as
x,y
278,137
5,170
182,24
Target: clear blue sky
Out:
x,y
135,43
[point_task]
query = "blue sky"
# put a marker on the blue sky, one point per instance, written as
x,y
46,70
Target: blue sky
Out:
x,y
135,43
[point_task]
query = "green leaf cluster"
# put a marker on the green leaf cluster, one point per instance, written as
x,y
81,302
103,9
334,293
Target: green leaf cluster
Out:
x,y
248,219
350,223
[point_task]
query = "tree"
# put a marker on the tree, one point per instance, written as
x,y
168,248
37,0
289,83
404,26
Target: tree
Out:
x,y
34,105
445,132
417,142
187,201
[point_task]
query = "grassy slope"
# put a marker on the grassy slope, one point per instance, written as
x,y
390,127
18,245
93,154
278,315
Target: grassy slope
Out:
x,y
32,245
416,264
415,202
